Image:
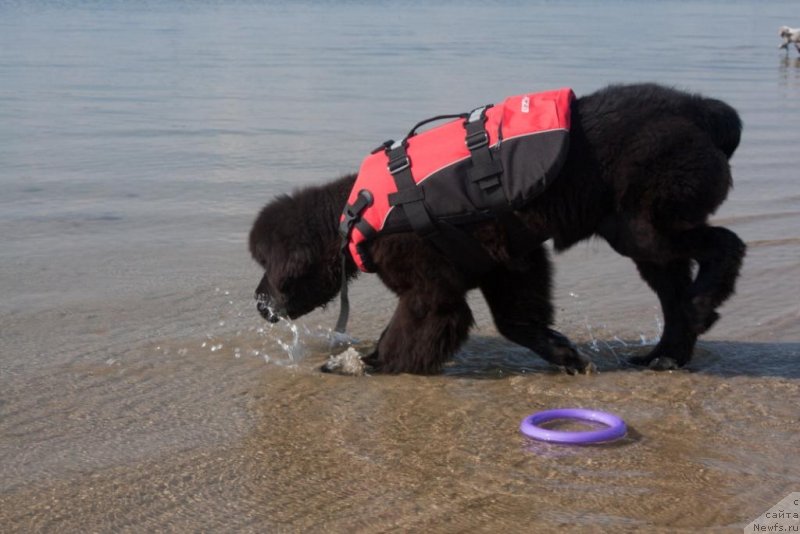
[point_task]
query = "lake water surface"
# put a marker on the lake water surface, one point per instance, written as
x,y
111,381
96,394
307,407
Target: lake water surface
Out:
x,y
140,390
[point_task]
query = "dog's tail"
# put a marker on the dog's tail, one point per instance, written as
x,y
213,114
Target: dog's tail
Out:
x,y
722,123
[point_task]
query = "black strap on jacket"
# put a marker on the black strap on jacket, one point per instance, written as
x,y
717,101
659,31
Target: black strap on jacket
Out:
x,y
459,246
408,195
486,170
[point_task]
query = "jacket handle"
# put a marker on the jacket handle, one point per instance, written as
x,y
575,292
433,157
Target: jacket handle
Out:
x,y
413,131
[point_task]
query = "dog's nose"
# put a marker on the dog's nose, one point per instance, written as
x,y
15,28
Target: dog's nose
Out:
x,y
263,305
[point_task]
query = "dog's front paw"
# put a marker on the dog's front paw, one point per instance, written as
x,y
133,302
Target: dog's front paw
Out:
x,y
656,362
348,363
586,369
566,355
663,363
575,362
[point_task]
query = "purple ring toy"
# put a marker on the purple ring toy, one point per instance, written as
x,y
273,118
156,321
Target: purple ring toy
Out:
x,y
615,426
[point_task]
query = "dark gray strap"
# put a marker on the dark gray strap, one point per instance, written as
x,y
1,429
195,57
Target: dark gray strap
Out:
x,y
352,216
344,300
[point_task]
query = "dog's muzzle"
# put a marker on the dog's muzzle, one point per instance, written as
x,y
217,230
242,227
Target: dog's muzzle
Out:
x,y
267,310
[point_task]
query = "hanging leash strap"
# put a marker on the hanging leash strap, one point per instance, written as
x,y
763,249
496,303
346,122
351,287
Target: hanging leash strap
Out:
x,y
344,301
352,214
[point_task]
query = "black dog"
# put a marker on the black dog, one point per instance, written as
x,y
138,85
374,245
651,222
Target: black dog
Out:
x,y
647,166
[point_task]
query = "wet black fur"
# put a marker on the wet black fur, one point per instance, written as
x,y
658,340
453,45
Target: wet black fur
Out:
x,y
646,168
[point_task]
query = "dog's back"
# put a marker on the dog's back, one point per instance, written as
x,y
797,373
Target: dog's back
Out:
x,y
624,110
641,148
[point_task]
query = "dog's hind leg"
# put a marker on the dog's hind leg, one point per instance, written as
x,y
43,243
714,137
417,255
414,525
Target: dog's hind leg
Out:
x,y
521,307
667,270
422,335
719,253
671,283
689,307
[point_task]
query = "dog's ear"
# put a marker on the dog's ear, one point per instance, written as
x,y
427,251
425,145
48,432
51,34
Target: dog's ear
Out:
x,y
300,259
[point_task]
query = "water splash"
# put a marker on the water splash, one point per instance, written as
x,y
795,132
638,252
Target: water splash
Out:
x,y
284,343
294,349
303,340
605,340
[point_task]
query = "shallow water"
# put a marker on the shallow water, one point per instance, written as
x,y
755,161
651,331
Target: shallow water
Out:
x,y
139,389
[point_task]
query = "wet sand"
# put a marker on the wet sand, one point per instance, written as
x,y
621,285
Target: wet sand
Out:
x,y
296,450
203,434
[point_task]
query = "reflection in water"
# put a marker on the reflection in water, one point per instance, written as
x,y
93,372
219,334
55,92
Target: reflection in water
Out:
x,y
789,68
790,62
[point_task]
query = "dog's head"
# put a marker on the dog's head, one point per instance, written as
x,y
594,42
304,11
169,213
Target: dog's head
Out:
x,y
297,248
785,31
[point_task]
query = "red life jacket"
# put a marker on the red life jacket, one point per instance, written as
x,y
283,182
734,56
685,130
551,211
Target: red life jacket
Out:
x,y
494,159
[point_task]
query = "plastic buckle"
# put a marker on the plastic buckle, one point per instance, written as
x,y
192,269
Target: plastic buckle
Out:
x,y
384,146
489,182
348,220
352,212
477,140
478,114
399,165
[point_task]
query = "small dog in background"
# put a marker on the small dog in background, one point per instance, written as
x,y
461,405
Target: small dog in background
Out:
x,y
789,35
